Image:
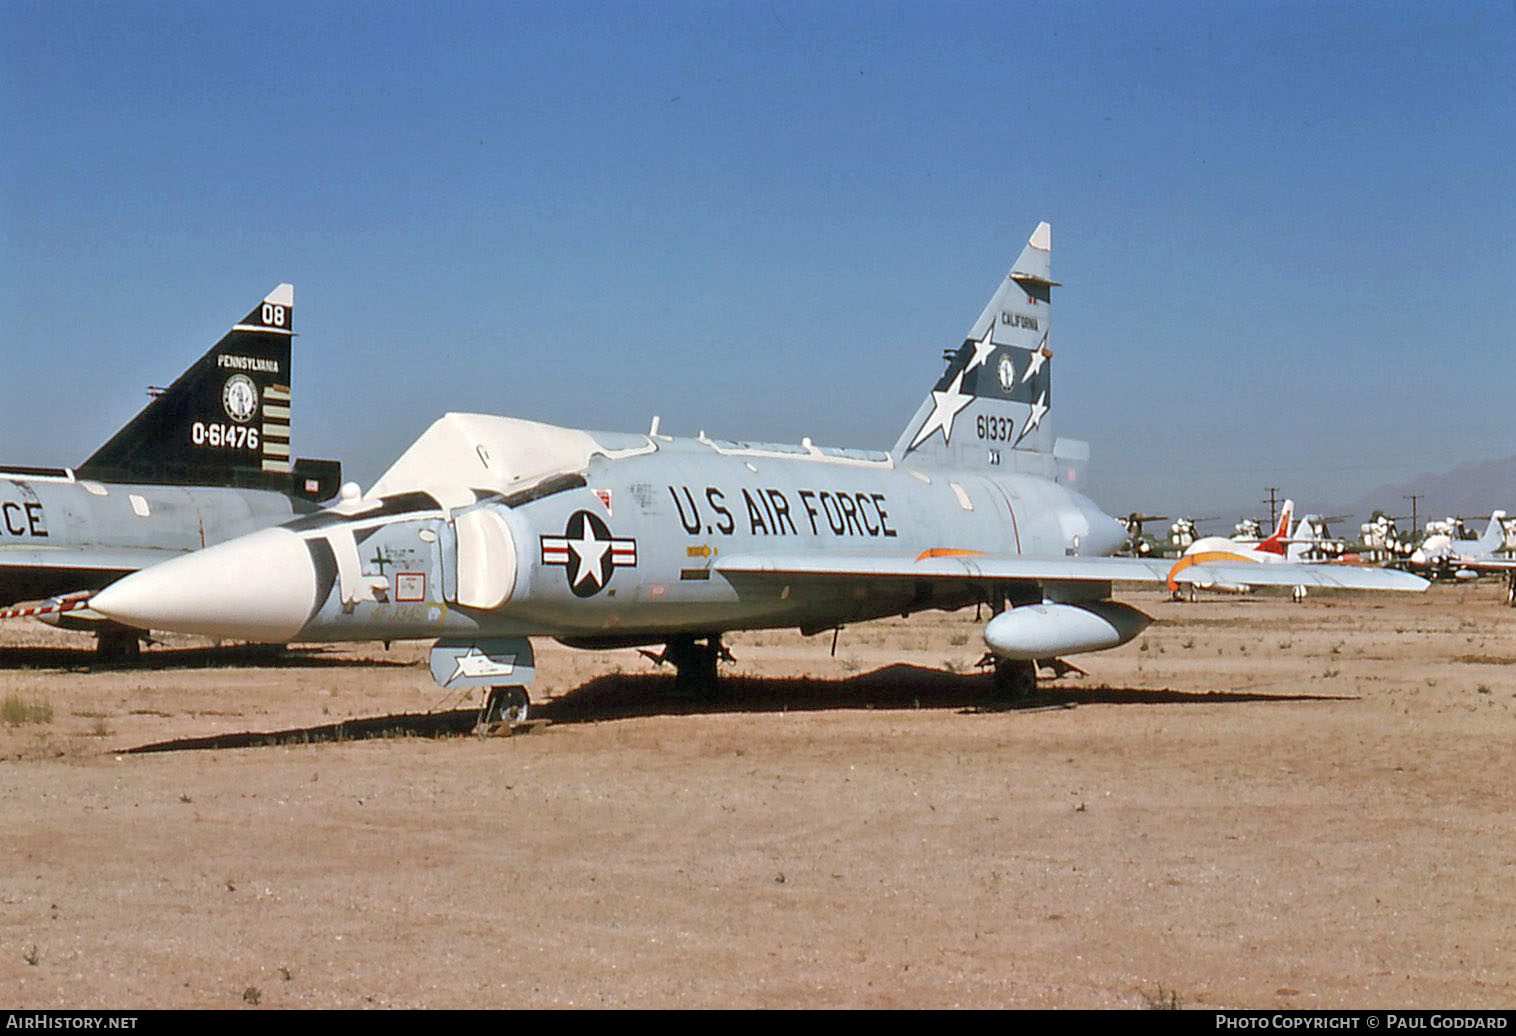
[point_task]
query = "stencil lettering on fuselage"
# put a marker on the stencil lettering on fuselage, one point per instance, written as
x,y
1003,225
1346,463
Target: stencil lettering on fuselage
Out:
x,y
774,512
18,519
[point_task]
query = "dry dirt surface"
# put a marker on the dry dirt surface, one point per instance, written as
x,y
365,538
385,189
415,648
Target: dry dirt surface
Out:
x,y
1255,804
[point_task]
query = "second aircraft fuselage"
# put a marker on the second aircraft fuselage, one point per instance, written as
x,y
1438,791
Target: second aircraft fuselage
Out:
x,y
60,534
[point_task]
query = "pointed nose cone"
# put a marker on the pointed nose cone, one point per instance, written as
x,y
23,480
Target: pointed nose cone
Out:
x,y
259,587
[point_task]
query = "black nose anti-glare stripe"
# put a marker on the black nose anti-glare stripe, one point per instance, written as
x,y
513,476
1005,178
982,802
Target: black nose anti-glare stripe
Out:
x,y
324,561
402,503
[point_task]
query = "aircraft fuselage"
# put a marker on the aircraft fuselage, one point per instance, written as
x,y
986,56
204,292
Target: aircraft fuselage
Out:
x,y
633,552
626,548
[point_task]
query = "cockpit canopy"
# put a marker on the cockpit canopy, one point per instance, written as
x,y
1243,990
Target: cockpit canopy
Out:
x,y
462,452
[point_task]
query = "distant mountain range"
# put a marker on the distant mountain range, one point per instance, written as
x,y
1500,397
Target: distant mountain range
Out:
x,y
1470,490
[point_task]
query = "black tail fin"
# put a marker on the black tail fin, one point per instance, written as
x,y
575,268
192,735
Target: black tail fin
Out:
x,y
225,421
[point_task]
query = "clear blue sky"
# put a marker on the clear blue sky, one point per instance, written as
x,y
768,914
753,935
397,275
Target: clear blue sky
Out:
x,y
1286,230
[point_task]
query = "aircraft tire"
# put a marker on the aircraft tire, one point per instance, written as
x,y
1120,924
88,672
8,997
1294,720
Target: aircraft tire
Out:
x,y
1015,679
695,667
116,647
508,705
515,705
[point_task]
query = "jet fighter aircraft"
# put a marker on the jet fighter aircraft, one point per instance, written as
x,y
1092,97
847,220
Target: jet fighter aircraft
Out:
x,y
490,530
1442,552
207,460
1444,556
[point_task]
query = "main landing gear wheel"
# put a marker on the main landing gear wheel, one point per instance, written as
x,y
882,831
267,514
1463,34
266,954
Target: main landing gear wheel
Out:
x,y
503,705
695,666
1510,590
1015,679
118,646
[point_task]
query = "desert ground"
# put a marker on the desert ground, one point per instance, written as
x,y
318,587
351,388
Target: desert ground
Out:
x,y
1254,804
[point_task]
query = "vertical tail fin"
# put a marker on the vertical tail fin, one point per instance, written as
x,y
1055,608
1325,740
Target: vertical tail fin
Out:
x,y
990,406
1308,539
1275,544
225,421
1494,534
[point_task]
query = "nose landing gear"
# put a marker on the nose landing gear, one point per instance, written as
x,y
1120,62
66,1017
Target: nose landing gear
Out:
x,y
504,707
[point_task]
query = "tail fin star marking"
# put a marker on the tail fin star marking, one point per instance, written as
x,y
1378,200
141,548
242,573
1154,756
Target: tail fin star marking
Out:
x,y
1039,411
1040,355
945,406
982,349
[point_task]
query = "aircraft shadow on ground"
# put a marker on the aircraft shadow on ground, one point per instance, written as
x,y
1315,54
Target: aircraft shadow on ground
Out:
x,y
239,656
453,723
606,698
899,686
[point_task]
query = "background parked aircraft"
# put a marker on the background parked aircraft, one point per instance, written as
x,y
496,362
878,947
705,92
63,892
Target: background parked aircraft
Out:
x,y
1442,555
208,459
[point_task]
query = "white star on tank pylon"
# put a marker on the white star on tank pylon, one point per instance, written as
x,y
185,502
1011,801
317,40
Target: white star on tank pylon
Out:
x,y
476,663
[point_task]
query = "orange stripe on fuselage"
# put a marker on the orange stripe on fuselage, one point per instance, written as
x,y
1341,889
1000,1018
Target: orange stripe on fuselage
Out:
x,y
1200,559
947,552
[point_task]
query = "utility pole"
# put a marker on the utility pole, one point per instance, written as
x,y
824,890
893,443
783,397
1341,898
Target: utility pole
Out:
x,y
1415,524
1273,492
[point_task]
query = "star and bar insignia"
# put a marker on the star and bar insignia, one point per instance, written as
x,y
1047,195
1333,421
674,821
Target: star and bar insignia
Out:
x,y
588,552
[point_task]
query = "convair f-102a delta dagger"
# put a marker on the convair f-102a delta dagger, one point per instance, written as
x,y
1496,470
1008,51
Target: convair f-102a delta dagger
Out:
x,y
207,460
490,530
